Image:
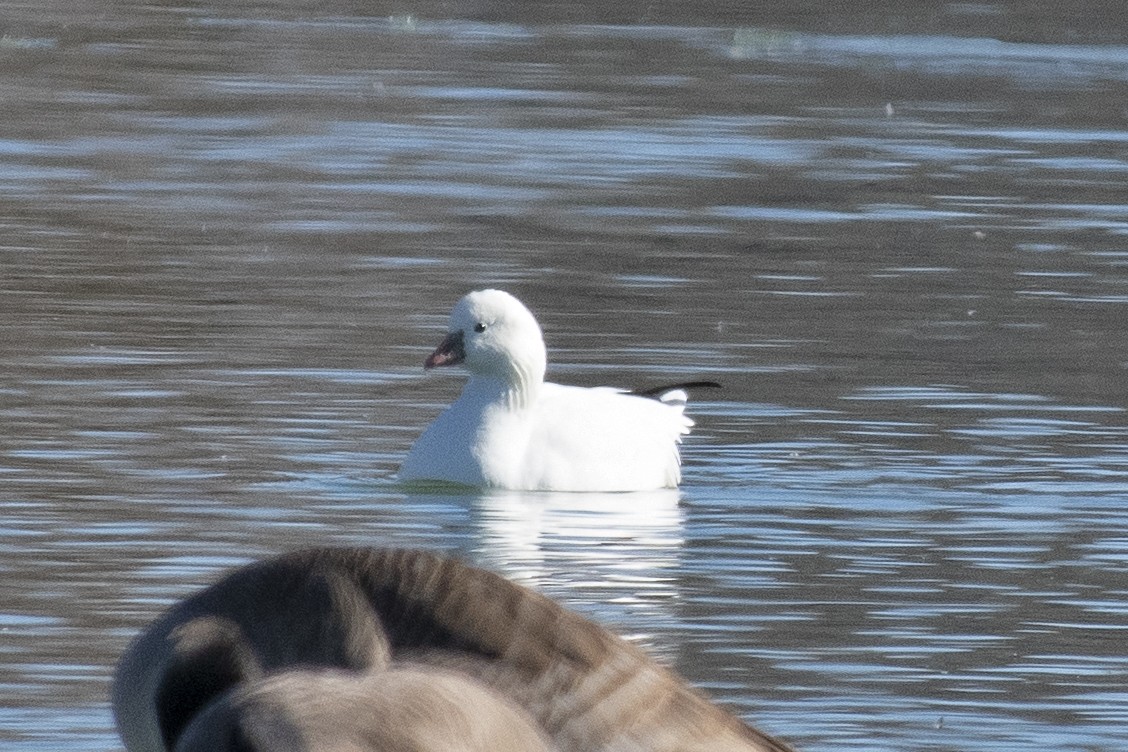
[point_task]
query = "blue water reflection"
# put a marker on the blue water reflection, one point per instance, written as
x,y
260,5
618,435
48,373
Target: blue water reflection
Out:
x,y
897,239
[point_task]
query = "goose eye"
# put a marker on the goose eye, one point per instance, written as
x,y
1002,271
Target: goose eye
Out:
x,y
479,327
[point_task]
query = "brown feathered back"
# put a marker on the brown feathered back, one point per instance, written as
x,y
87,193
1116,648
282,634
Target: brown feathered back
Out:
x,y
355,616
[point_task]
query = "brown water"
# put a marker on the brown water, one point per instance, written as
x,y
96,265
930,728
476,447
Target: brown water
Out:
x,y
899,237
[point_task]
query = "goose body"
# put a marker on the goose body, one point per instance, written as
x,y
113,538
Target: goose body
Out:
x,y
510,429
363,650
420,708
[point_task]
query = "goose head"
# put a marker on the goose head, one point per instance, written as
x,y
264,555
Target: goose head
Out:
x,y
493,335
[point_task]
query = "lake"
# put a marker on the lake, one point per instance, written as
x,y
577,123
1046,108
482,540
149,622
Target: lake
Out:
x,y
897,235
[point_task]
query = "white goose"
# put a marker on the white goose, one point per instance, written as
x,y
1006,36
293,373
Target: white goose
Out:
x,y
511,429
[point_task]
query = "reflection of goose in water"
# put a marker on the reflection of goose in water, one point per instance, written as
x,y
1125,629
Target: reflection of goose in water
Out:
x,y
626,545
362,650
511,429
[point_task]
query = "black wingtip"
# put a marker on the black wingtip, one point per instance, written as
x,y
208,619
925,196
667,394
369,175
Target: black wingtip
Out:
x,y
658,391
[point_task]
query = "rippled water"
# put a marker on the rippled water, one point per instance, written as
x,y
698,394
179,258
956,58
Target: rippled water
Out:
x,y
898,237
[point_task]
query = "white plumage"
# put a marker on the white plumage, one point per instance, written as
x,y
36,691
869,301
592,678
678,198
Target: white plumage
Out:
x,y
510,429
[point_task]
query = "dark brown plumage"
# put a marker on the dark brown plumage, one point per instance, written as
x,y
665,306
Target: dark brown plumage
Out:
x,y
364,650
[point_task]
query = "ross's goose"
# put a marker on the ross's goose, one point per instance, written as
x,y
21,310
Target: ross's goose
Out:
x,y
511,429
385,650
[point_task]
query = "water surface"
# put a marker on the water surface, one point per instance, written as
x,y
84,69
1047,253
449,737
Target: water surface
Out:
x,y
899,237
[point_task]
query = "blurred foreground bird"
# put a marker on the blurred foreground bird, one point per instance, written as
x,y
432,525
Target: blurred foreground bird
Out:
x,y
366,650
